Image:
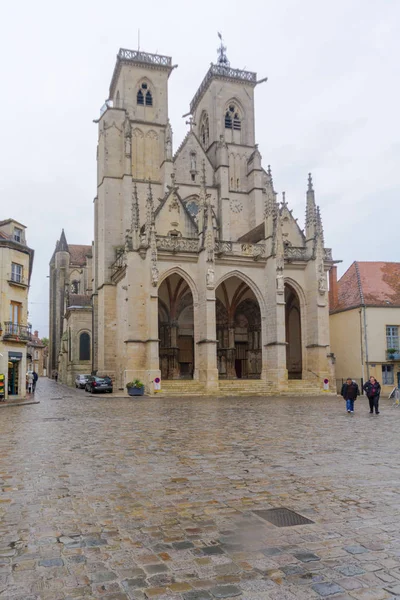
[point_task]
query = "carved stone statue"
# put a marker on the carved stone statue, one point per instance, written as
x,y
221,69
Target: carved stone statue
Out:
x,y
280,284
322,285
192,161
154,275
210,278
127,146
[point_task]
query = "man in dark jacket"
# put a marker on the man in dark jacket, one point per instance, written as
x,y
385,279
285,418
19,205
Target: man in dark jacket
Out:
x,y
35,378
373,390
350,391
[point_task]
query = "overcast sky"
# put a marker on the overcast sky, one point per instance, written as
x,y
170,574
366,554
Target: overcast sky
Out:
x,y
330,106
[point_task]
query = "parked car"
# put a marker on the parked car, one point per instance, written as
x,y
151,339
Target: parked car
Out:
x,y
98,384
81,381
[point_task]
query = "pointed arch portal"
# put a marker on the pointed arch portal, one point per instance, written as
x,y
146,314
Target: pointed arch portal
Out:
x,y
294,361
238,323
176,328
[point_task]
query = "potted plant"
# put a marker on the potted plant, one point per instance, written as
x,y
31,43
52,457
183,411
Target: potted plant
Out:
x,y
135,388
391,352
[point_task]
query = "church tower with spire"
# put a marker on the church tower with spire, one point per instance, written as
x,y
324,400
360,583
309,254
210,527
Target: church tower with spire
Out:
x,y
200,273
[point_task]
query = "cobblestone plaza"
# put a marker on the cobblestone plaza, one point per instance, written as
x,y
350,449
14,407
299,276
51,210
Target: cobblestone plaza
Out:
x,y
116,498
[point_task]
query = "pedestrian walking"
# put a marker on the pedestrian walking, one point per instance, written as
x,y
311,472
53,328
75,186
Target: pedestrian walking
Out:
x,y
56,375
35,378
30,382
350,391
373,390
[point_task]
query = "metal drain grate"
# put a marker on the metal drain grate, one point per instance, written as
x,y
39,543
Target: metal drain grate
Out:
x,y
282,517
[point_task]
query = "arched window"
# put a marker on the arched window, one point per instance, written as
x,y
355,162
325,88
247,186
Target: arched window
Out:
x,y
84,346
232,118
140,98
149,98
144,96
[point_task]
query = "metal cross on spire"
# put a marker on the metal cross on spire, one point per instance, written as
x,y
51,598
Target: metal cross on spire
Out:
x,y
222,57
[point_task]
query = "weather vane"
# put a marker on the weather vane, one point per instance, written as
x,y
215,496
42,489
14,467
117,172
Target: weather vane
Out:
x,y
222,57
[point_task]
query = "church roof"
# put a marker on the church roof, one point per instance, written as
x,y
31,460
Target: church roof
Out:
x,y
370,284
255,235
78,253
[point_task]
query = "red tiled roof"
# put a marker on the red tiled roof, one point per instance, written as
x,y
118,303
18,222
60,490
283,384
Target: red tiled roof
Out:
x,y
369,283
78,253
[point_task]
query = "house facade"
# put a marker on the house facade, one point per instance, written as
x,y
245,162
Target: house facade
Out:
x,y
16,261
200,270
365,322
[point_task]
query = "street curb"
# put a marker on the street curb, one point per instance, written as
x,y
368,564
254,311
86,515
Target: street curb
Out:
x,y
5,405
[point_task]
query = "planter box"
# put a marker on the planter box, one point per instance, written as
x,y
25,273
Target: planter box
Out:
x,y
133,391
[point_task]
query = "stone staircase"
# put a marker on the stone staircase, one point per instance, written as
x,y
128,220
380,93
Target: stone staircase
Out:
x,y
177,388
304,387
244,387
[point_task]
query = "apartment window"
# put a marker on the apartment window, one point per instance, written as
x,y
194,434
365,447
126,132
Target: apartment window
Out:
x,y
15,312
16,272
392,336
36,355
17,234
387,375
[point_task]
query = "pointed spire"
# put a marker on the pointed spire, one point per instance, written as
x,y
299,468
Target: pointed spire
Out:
x,y
319,230
311,211
270,199
284,203
279,248
62,244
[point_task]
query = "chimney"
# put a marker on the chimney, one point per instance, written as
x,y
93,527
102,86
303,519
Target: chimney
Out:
x,y
333,288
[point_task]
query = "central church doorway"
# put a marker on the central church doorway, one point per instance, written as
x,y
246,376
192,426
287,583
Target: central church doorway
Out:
x,y
175,329
238,323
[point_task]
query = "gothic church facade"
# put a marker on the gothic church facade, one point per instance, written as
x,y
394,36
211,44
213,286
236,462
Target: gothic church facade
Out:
x,y
198,271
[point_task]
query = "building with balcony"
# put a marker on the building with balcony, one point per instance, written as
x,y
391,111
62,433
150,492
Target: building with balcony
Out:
x,y
70,328
365,322
200,270
16,260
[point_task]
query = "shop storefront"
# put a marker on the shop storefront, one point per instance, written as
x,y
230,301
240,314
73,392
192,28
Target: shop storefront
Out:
x,y
16,383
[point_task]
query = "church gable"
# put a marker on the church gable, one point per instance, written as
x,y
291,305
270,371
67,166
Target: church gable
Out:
x,y
291,232
188,162
173,218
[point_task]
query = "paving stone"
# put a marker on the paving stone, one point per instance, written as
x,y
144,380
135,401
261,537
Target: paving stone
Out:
x,y
197,595
355,549
350,570
153,569
306,556
225,591
327,589
51,562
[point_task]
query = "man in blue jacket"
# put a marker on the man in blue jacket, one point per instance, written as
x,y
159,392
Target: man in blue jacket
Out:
x,y
350,391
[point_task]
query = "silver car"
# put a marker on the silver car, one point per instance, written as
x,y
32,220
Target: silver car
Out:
x,y
81,381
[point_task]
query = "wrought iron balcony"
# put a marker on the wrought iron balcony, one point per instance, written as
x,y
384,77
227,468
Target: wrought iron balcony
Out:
x,y
17,332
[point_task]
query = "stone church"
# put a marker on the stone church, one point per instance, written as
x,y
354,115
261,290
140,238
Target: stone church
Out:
x,y
199,272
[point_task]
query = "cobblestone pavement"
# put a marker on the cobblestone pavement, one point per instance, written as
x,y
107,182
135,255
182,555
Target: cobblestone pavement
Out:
x,y
155,498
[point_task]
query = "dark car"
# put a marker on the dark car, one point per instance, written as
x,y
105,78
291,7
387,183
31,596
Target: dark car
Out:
x,y
98,384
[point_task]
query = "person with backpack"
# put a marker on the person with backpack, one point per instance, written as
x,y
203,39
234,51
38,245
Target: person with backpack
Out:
x,y
373,390
350,391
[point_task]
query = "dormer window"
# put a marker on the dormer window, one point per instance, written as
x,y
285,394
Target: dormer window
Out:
x,y
18,234
144,96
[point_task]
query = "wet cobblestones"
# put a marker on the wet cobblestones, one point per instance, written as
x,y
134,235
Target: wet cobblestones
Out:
x,y
127,499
